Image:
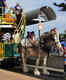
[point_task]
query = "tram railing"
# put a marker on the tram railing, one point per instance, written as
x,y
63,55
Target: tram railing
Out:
x,y
7,16
8,50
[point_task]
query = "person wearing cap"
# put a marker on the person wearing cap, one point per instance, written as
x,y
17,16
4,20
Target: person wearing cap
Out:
x,y
18,12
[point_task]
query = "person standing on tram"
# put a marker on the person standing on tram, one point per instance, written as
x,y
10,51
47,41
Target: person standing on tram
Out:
x,y
18,12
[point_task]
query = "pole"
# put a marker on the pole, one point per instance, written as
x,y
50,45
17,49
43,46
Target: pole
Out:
x,y
39,43
39,35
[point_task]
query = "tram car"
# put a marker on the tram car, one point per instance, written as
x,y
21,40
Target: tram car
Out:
x,y
8,50
7,46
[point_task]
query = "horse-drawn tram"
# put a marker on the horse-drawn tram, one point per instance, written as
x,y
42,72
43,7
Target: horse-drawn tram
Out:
x,y
13,44
7,29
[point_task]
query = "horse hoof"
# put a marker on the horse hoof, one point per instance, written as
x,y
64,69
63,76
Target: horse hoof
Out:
x,y
46,73
25,70
36,73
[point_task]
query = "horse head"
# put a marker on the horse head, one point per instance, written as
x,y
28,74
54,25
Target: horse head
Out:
x,y
47,40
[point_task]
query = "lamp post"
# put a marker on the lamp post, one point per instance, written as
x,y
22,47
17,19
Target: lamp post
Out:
x,y
39,24
39,28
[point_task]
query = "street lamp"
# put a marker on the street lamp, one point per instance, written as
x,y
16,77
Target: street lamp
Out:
x,y
39,24
39,28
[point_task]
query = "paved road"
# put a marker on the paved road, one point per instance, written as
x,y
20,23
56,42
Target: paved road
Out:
x,y
55,74
7,75
15,74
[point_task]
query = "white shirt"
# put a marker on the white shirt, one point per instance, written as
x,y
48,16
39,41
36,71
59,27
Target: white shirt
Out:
x,y
17,38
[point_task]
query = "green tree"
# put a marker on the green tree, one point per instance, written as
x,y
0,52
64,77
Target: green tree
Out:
x,y
64,33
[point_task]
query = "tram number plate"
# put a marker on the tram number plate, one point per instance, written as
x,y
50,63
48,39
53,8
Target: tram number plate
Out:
x,y
1,50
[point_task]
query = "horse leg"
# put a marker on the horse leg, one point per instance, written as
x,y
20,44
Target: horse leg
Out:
x,y
23,61
44,65
24,64
36,71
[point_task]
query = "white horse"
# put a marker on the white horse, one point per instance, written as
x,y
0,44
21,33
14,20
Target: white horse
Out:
x,y
29,47
32,48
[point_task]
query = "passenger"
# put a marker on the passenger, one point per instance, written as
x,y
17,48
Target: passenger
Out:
x,y
16,36
6,37
3,4
18,12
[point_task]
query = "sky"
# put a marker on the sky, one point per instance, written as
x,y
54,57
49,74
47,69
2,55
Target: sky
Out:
x,y
59,23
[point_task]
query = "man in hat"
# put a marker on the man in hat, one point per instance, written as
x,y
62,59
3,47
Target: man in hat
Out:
x,y
18,12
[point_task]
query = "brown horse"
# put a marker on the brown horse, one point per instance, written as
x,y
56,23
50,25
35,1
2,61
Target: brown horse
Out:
x,y
37,48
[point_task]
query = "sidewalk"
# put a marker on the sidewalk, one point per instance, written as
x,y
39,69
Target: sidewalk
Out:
x,y
7,75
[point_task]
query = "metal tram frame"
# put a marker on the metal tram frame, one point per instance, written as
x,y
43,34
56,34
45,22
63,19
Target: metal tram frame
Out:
x,y
8,50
